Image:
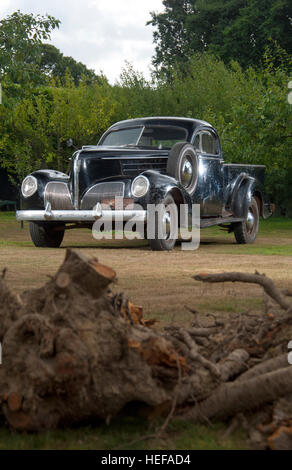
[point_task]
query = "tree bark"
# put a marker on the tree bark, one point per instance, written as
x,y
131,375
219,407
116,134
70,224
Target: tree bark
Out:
x,y
232,398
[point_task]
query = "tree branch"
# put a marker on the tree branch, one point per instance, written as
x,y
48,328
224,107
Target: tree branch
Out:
x,y
260,279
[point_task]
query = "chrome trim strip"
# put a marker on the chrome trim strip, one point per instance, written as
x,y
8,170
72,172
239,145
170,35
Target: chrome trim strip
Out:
x,y
134,158
81,216
200,155
141,133
76,168
54,174
117,149
244,164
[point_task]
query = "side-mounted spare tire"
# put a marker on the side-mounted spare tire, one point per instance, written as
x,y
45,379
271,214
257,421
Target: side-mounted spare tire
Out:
x,y
46,234
182,165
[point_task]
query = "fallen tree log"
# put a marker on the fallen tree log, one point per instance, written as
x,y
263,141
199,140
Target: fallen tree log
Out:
x,y
234,364
264,367
232,398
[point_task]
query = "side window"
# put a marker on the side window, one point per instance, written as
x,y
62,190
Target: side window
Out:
x,y
197,144
208,143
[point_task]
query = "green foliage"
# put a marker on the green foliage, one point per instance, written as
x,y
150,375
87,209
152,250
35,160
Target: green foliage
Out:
x,y
21,36
82,113
38,126
233,30
54,64
134,95
25,61
171,35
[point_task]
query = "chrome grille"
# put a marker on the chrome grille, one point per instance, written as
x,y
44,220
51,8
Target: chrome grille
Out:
x,y
58,195
100,192
135,166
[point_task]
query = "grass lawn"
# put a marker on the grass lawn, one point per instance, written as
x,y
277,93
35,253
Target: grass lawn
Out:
x,y
122,432
162,283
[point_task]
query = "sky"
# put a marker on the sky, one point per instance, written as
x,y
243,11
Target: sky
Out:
x,y
102,34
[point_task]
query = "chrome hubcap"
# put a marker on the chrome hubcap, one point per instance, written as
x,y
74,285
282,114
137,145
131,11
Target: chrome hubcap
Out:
x,y
186,172
166,224
250,221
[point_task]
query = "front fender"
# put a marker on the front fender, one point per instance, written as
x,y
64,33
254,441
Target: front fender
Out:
x,y
162,185
36,201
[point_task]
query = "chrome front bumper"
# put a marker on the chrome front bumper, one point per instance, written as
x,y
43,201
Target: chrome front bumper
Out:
x,y
81,215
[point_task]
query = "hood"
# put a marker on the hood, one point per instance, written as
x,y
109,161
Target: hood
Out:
x,y
100,164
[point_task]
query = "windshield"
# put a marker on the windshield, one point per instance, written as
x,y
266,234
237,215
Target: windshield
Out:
x,y
159,137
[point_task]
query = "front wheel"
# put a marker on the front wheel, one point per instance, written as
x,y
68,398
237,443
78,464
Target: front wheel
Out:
x,y
165,226
246,231
46,234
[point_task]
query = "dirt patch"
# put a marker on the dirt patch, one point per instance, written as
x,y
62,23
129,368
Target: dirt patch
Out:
x,y
161,282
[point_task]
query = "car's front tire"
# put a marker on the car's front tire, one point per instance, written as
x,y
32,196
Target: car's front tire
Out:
x,y
167,217
246,231
46,234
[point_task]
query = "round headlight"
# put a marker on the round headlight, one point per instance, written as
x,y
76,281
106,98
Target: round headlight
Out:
x,y
140,186
29,186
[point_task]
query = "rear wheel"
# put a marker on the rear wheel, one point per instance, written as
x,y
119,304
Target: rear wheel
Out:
x,y
46,234
246,231
166,219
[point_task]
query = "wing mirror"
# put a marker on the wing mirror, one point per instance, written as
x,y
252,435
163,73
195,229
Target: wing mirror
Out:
x,y
70,143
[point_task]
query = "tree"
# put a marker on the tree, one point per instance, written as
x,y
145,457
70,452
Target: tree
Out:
x,y
171,34
233,29
21,37
54,64
34,132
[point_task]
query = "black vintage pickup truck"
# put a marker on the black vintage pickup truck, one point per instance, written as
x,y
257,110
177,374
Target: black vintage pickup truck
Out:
x,y
155,160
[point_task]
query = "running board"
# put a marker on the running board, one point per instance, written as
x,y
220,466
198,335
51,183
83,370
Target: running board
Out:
x,y
210,222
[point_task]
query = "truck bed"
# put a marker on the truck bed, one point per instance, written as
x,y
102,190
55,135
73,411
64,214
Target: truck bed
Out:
x,y
232,170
